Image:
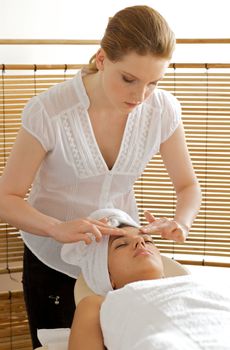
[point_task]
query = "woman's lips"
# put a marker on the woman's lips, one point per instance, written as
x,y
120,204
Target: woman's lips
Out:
x,y
131,105
142,251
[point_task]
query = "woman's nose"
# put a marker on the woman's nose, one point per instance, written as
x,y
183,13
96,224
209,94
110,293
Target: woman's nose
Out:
x,y
139,95
139,242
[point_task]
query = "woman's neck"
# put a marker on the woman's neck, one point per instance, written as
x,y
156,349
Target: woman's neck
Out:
x,y
99,102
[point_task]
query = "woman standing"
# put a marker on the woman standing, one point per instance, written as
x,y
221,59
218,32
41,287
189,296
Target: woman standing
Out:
x,y
82,145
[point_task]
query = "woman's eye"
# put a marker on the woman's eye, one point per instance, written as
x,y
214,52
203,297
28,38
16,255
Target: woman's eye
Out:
x,y
121,245
127,80
149,241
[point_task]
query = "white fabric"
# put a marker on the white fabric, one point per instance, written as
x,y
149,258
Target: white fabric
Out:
x,y
93,258
74,179
173,313
54,339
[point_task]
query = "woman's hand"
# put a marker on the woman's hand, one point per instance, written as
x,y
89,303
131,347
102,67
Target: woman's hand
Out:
x,y
167,228
82,230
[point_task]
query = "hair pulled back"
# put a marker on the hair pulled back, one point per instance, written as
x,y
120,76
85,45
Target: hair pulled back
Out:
x,y
139,29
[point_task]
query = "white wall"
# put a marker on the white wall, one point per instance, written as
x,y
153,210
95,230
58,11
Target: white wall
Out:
x,y
74,19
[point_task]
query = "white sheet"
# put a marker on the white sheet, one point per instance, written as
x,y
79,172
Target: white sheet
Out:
x,y
54,339
174,313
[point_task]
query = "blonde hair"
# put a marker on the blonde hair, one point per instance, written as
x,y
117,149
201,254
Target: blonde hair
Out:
x,y
139,29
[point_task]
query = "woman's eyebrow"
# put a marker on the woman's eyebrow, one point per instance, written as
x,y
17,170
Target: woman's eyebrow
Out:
x,y
113,238
131,75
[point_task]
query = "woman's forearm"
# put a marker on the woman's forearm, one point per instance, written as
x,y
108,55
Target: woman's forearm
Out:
x,y
18,213
188,205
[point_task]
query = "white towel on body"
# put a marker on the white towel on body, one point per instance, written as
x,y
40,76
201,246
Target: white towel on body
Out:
x,y
173,313
93,258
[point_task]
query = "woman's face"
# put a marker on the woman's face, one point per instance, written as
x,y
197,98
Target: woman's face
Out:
x,y
133,257
130,81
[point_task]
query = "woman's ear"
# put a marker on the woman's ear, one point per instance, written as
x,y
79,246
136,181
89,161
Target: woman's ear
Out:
x,y
112,282
100,57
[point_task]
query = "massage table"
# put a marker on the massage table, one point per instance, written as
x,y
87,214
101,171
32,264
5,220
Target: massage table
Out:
x,y
171,268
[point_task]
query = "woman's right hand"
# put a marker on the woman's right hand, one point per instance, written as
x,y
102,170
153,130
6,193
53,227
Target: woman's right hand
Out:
x,y
83,230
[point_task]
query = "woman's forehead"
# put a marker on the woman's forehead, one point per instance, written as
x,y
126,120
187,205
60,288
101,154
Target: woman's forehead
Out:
x,y
143,66
133,231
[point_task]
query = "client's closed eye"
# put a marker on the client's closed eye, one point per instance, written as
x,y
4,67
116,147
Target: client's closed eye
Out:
x,y
149,241
120,245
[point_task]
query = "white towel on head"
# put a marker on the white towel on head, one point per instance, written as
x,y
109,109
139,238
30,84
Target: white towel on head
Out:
x,y
93,258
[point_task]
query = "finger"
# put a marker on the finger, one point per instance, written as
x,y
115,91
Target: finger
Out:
x,y
113,231
154,226
149,229
91,229
83,237
149,217
102,222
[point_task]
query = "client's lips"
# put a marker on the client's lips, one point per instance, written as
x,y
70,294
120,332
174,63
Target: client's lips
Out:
x,y
142,251
133,105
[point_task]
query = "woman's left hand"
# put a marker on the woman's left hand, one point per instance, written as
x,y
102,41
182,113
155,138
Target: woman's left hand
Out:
x,y
167,228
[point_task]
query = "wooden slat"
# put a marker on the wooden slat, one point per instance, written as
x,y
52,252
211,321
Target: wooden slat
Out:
x,y
97,42
14,331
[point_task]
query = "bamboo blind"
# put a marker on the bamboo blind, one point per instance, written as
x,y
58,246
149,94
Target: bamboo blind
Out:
x,y
204,93
13,320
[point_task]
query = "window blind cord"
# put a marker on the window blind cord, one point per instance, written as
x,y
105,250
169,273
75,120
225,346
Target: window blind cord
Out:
x,y
10,321
173,195
4,155
65,70
206,161
4,161
35,82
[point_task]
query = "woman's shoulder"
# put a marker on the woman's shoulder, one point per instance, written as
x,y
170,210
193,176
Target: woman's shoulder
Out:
x,y
91,302
59,98
88,308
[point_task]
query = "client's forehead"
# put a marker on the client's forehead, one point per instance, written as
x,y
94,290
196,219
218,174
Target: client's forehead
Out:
x,y
130,231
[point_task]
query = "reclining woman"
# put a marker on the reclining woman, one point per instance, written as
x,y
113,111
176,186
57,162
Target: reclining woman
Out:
x,y
141,307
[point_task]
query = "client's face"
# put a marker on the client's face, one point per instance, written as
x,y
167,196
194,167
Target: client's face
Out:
x,y
133,257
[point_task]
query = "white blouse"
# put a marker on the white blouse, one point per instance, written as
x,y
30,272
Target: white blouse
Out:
x,y
74,179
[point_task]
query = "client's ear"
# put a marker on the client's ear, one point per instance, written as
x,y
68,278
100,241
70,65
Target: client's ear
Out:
x,y
112,282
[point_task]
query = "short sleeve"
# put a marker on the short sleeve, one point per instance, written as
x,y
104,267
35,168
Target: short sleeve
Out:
x,y
171,115
37,122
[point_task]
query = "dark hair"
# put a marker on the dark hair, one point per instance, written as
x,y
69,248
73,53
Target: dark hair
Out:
x,y
139,29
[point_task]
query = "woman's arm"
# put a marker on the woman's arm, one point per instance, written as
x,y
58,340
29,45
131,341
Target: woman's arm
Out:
x,y
86,332
24,161
176,158
19,173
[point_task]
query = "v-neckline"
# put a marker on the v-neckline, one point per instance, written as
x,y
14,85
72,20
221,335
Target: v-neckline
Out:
x,y
86,104
123,139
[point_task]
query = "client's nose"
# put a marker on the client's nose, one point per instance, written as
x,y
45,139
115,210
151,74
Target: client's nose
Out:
x,y
139,242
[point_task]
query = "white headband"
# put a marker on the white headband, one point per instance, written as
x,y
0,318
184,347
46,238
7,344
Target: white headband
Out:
x,y
93,258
